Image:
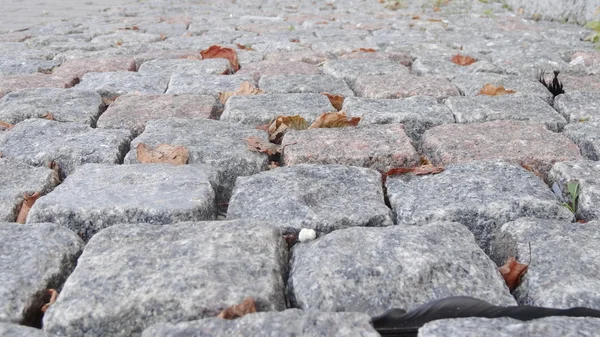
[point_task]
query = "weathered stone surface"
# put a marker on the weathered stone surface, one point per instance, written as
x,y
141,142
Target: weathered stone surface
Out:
x,y
15,330
204,268
578,11
34,258
185,66
526,143
15,82
12,66
587,136
288,323
587,174
163,55
288,84
320,197
350,70
261,109
586,84
579,106
78,67
126,37
262,68
485,108
394,86
93,197
65,105
417,113
505,327
111,85
18,179
221,145
565,258
380,147
471,85
429,262
207,84
39,141
307,56
480,195
402,58
134,111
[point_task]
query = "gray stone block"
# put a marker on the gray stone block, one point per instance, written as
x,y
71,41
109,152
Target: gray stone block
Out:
x,y
485,108
371,270
187,67
65,105
480,195
564,261
417,113
349,70
579,106
578,11
587,136
39,141
320,197
471,85
221,145
587,174
110,85
288,323
507,327
34,258
288,84
15,330
394,86
204,268
97,196
12,66
261,109
18,179
207,84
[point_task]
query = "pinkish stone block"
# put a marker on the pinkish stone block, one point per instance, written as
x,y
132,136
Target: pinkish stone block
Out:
x,y
79,67
261,68
525,143
15,82
134,111
394,86
379,147
579,83
402,58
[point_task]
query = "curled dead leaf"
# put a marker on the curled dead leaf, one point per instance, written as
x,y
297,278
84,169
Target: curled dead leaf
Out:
x,y
260,145
364,50
163,153
336,119
278,127
5,125
248,306
463,60
512,272
419,170
47,116
492,90
216,51
57,171
245,89
28,201
244,46
53,295
336,100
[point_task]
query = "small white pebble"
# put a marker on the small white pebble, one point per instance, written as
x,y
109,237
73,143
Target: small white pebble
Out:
x,y
577,61
307,234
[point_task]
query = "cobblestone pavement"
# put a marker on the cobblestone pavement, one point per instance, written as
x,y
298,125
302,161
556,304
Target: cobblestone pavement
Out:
x,y
139,249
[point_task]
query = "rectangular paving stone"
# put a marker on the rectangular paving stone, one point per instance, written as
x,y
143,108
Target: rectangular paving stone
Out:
x,y
18,179
394,86
15,82
76,68
287,323
564,273
440,64
320,197
38,142
579,106
573,83
94,197
34,258
417,113
480,195
203,267
141,58
486,108
587,174
65,105
188,67
262,68
380,147
261,109
206,84
288,84
521,142
350,70
471,85
134,111
354,269
221,145
111,85
587,136
14,66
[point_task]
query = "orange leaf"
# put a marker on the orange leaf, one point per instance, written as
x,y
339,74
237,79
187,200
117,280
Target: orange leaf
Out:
x,y
244,47
492,90
336,119
245,89
4,125
463,60
416,17
163,153
48,116
336,100
399,170
278,127
248,306
512,272
28,201
217,51
364,50
259,145
53,295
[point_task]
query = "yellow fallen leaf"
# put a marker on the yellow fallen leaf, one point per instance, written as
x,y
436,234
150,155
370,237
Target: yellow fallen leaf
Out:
x,y
336,119
492,90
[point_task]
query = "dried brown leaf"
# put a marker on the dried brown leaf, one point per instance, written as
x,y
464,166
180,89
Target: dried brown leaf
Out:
x,y
53,295
282,123
419,170
57,171
217,51
336,119
244,47
423,160
162,37
245,89
336,100
4,125
364,50
416,17
512,272
163,153
463,60
28,201
248,306
260,145
47,116
492,90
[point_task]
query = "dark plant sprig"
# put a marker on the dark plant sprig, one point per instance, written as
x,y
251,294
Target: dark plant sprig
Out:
x,y
555,87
